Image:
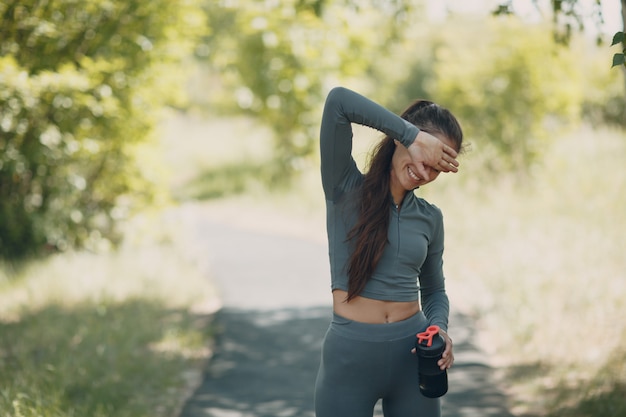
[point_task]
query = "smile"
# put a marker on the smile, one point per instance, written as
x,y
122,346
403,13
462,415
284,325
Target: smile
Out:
x,y
413,175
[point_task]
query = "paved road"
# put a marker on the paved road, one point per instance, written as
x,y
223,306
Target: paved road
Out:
x,y
275,294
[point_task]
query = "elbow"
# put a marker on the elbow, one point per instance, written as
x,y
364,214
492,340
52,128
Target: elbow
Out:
x,y
336,95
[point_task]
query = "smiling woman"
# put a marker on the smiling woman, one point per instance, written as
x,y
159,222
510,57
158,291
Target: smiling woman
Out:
x,y
386,248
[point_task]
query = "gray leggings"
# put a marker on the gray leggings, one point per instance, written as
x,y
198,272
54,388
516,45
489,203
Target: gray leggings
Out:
x,y
362,363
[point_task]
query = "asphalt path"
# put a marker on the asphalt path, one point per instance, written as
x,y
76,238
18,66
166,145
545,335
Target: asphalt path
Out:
x,y
275,291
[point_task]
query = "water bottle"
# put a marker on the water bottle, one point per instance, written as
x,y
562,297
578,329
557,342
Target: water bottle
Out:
x,y
429,347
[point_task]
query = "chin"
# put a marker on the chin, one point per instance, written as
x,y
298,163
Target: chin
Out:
x,y
412,187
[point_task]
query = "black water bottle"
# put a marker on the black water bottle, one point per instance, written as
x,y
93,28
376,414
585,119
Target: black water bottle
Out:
x,y
429,347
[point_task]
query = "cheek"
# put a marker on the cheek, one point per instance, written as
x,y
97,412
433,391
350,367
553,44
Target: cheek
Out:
x,y
400,159
433,175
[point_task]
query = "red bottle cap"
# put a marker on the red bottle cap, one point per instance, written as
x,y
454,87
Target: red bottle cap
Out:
x,y
428,335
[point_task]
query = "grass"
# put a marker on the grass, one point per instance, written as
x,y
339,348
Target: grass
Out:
x,y
543,260
119,334
112,358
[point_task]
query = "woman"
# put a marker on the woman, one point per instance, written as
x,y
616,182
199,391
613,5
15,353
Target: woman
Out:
x,y
385,247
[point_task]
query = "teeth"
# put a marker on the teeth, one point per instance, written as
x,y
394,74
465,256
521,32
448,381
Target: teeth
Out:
x,y
413,175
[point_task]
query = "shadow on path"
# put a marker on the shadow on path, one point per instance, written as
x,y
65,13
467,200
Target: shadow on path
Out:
x,y
266,362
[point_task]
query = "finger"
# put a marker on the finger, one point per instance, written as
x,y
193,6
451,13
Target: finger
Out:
x,y
446,363
443,365
448,166
442,166
421,170
450,160
450,151
447,163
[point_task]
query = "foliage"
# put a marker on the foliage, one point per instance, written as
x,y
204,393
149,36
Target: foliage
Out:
x,y
511,92
80,83
568,16
279,59
604,102
618,58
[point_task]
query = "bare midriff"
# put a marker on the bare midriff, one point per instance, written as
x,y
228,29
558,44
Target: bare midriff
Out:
x,y
367,310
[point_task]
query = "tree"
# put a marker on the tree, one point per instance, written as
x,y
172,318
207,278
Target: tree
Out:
x,y
80,84
275,61
512,92
567,17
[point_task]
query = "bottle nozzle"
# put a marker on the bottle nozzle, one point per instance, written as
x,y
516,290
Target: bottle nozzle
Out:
x,y
428,335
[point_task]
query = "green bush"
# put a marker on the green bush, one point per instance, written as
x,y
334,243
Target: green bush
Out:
x,y
513,91
80,85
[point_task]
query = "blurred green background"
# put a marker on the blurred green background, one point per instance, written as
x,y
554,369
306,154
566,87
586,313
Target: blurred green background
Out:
x,y
119,120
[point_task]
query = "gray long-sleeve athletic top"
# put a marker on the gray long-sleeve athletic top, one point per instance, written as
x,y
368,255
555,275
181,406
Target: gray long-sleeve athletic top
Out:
x,y
411,266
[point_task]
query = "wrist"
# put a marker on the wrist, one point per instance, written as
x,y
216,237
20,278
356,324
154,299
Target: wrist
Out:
x,y
425,140
420,139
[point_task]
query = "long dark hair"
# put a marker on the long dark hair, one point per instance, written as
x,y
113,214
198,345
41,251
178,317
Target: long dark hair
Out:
x,y
369,234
